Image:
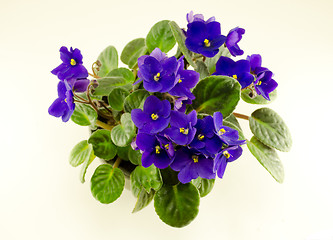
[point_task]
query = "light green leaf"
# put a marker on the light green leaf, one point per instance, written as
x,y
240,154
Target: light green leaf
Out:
x,y
117,97
270,129
123,134
85,167
102,144
203,185
80,153
84,115
107,84
202,69
160,36
132,51
109,60
267,157
144,199
122,72
135,100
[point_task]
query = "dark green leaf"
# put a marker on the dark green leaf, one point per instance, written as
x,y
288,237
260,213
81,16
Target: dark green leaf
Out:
x,y
109,60
216,94
80,153
102,144
123,134
177,205
270,129
85,167
107,84
160,36
169,176
248,97
267,157
135,100
124,73
132,51
211,62
84,115
203,185
117,97
144,199
202,69
148,178
122,152
134,156
180,38
107,183
232,122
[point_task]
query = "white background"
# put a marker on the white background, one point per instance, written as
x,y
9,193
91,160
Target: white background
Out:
x,y
41,196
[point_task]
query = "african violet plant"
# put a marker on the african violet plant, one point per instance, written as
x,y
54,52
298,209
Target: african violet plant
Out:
x,y
168,123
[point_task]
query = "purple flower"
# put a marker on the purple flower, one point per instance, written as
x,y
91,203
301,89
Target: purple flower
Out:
x,y
155,116
264,84
234,36
197,18
71,67
192,164
228,135
157,150
255,64
205,140
79,85
64,105
204,38
182,129
180,104
224,156
157,71
185,80
239,70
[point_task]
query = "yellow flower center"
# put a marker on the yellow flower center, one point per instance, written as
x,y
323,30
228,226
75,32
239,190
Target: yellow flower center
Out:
x,y
259,83
226,154
234,76
222,131
179,81
157,149
183,130
157,77
200,137
166,146
73,62
195,158
207,43
65,100
154,116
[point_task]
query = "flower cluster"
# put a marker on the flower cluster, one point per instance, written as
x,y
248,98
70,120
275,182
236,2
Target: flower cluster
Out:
x,y
73,77
193,147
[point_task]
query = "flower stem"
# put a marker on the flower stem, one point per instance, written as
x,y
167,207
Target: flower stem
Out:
x,y
103,125
117,162
242,116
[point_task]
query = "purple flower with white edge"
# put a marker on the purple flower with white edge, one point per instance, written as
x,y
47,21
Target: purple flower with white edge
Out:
x,y
191,164
157,71
154,117
239,70
157,150
190,17
233,37
185,80
225,156
228,135
204,38
205,140
180,104
264,84
71,67
64,105
182,129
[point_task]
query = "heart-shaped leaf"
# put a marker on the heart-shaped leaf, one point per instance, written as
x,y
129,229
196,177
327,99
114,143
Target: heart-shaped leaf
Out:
x,y
80,153
109,60
135,100
117,97
123,134
102,144
107,84
203,185
84,115
132,51
160,36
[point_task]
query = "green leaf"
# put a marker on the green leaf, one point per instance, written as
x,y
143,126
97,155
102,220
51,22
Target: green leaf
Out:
x,y
102,144
270,129
203,185
84,115
177,205
124,73
144,199
80,153
169,176
180,39
107,84
216,94
134,156
232,122
85,167
211,62
132,51
109,60
107,183
122,152
123,134
160,36
202,69
248,97
148,178
135,100
117,97
267,157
